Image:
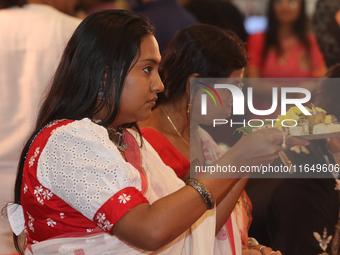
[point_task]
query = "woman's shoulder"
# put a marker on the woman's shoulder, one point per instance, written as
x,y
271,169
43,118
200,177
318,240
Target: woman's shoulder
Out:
x,y
151,134
157,140
155,136
82,133
81,127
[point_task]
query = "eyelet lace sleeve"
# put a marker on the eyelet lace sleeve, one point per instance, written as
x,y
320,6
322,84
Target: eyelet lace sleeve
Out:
x,y
85,169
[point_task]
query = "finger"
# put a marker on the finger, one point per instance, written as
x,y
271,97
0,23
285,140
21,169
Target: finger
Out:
x,y
266,251
272,131
293,141
263,249
287,142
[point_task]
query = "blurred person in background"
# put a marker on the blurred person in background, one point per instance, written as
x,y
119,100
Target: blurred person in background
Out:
x,y
219,13
87,7
327,29
167,16
286,49
32,35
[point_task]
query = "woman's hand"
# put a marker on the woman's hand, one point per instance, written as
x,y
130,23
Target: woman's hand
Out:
x,y
259,250
251,252
263,146
333,145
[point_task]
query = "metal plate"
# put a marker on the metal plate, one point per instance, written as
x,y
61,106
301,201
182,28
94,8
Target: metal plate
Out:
x,y
318,136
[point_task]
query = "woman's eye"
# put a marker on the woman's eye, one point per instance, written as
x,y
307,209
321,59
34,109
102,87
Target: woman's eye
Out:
x,y
147,69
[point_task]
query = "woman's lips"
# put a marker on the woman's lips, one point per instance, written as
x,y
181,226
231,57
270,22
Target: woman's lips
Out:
x,y
152,101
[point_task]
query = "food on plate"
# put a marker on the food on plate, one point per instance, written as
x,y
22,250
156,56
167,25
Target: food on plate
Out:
x,y
325,128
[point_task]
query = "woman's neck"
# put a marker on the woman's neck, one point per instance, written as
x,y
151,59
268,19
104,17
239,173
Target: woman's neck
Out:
x,y
175,120
285,31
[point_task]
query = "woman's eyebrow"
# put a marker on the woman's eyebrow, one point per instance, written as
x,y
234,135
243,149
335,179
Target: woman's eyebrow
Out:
x,y
151,60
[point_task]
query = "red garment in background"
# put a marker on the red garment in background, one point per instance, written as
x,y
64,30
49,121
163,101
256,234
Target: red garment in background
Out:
x,y
167,152
292,63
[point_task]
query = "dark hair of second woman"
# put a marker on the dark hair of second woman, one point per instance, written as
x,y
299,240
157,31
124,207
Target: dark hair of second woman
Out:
x,y
210,51
326,96
9,3
300,28
97,52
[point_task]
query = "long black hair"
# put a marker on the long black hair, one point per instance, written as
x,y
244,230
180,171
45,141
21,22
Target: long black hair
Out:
x,y
10,3
300,28
210,51
103,48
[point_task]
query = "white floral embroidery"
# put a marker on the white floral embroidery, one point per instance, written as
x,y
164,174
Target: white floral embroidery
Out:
x,y
40,200
38,191
25,188
89,230
62,215
30,222
101,217
51,223
124,198
32,159
107,225
42,194
47,194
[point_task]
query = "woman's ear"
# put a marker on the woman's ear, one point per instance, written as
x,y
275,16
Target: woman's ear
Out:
x,y
194,75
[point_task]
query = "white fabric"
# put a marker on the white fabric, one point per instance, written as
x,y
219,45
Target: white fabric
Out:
x,y
79,143
223,247
16,218
83,167
32,39
222,244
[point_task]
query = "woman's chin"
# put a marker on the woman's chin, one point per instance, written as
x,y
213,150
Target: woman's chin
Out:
x,y
144,117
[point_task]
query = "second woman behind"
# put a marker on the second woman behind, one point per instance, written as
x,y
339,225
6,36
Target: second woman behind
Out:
x,y
191,54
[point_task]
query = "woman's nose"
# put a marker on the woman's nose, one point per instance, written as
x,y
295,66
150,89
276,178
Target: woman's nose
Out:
x,y
157,86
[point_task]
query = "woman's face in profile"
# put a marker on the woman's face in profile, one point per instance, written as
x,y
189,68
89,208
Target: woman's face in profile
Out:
x,y
287,11
216,111
141,85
